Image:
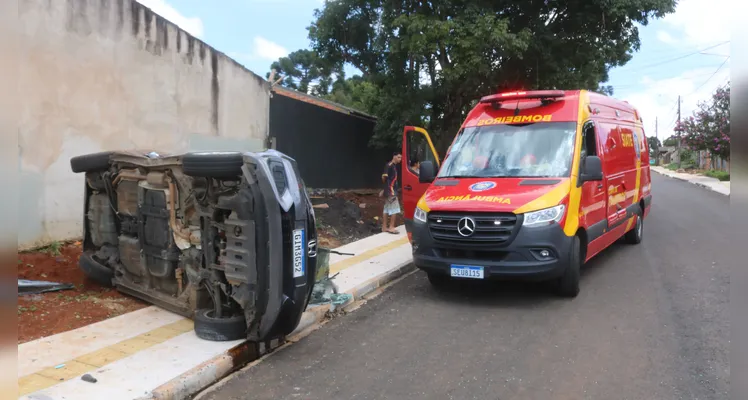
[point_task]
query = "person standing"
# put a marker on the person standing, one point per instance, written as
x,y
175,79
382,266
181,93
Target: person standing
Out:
x,y
391,203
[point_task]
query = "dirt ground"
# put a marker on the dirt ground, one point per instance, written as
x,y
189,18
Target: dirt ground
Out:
x,y
341,218
348,216
46,314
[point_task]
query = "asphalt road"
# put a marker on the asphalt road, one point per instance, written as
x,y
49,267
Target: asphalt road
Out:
x,y
651,322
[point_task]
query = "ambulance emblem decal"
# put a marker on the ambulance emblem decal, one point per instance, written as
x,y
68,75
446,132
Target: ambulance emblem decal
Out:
x,y
482,186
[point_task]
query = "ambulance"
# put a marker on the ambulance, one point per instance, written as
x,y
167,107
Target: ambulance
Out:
x,y
534,185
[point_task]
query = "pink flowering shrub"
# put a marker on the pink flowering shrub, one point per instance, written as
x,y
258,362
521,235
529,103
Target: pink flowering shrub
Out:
x,y
709,127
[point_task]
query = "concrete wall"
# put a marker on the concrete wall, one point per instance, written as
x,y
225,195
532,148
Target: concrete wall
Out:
x,y
110,74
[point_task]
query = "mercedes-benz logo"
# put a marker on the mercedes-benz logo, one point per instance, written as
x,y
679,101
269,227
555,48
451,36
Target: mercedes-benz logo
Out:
x,y
466,226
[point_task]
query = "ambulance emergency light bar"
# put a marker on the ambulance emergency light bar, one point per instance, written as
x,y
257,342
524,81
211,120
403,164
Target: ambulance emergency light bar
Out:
x,y
542,95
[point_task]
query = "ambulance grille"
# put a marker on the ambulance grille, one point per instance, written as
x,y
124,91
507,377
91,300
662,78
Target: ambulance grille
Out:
x,y
490,228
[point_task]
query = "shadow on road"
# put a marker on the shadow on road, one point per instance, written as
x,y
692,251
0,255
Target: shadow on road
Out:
x,y
513,294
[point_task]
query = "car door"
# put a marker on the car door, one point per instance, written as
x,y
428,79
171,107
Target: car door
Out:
x,y
594,207
417,146
613,172
631,153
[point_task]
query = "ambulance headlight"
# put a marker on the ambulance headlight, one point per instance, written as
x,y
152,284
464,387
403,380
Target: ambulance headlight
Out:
x,y
545,216
420,214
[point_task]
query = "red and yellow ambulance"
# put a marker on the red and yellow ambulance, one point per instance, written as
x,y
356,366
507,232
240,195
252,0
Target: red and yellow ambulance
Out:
x,y
535,184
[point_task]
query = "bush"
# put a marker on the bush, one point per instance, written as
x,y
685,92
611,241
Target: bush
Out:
x,y
721,175
688,165
672,166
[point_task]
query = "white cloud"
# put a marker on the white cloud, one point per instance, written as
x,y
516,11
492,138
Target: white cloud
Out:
x,y
659,99
267,50
665,37
193,25
702,23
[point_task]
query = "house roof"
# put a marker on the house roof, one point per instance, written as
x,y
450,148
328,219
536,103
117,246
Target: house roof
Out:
x,y
317,101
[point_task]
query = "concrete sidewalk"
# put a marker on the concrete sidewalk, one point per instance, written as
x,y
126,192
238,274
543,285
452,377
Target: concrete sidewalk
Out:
x,y
700,180
154,354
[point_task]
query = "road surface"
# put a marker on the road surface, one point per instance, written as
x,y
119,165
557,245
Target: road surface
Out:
x,y
651,322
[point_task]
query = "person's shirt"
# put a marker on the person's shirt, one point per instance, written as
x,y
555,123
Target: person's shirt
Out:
x,y
391,179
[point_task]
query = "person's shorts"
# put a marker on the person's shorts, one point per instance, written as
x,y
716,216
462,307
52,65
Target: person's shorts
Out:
x,y
392,206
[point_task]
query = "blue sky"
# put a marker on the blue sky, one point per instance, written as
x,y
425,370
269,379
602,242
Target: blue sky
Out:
x,y
669,63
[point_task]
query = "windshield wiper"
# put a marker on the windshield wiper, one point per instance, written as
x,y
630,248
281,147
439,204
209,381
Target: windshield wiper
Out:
x,y
456,177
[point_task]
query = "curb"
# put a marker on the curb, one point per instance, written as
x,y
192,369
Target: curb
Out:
x,y
691,182
208,373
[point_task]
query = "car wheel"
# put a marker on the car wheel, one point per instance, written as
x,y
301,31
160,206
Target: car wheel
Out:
x,y
223,329
213,164
635,235
568,284
90,162
439,281
96,271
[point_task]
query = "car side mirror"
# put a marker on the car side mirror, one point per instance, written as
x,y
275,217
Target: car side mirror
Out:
x,y
427,172
592,170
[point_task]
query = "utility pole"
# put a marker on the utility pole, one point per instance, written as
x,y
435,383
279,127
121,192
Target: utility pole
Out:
x,y
678,132
657,136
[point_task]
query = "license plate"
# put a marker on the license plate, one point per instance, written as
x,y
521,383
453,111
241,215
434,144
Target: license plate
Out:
x,y
299,261
466,271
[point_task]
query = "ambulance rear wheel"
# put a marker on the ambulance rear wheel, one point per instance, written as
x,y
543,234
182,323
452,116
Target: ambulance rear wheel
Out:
x,y
568,284
635,235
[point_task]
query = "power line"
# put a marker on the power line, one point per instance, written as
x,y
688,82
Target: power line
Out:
x,y
714,54
712,76
630,86
675,59
668,53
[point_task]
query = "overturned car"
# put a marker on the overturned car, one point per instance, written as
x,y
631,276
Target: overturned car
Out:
x,y
225,238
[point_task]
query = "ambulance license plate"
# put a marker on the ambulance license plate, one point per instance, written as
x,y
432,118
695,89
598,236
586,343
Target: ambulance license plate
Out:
x,y
466,271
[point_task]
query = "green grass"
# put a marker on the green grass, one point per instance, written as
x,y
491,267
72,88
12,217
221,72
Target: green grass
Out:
x,y
672,166
53,248
721,175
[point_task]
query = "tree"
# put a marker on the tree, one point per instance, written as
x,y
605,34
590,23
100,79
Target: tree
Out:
x,y
355,92
671,141
305,71
431,60
654,147
708,129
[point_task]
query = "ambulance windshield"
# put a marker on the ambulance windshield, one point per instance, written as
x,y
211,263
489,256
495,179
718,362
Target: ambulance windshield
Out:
x,y
534,150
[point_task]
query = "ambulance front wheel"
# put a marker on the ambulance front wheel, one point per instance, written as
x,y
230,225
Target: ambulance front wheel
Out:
x,y
439,281
568,284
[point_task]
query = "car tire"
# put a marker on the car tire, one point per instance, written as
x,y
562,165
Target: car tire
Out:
x,y
439,281
222,329
635,235
90,162
568,284
213,164
96,271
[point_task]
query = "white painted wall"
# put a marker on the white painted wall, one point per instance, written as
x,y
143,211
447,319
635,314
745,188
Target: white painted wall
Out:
x,y
102,75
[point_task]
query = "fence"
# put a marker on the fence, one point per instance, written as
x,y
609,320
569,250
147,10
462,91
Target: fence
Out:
x,y
705,161
330,142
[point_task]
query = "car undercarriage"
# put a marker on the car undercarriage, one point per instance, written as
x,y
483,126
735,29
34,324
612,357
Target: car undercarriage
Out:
x,y
225,238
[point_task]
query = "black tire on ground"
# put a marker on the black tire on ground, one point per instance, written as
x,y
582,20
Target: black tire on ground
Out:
x,y
213,164
438,281
90,162
222,329
635,235
96,271
568,284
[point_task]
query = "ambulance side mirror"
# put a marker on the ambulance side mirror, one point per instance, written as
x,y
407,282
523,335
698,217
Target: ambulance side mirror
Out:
x,y
592,169
427,172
